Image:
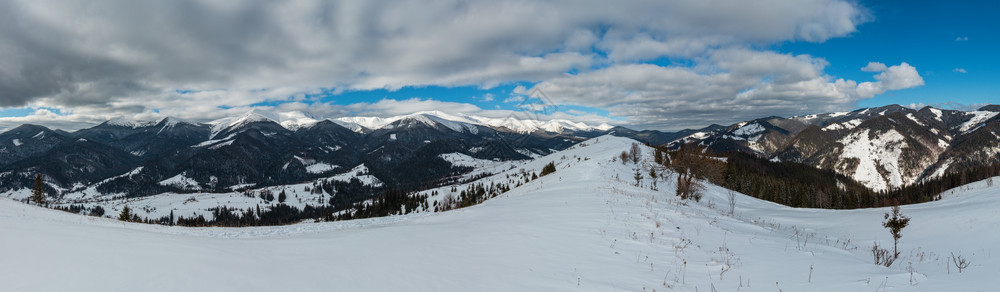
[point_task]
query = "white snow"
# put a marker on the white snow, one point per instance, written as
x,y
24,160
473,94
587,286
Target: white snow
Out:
x,y
580,228
182,182
843,126
297,120
480,166
468,123
128,123
251,116
978,117
914,119
320,167
749,130
941,169
361,173
171,122
17,142
40,135
937,114
878,159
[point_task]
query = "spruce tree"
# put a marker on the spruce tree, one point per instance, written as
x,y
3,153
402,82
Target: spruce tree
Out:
x,y
38,192
282,197
126,214
896,222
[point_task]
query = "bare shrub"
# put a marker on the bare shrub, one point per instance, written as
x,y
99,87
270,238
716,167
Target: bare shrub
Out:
x,y
635,153
688,187
448,202
882,257
732,202
960,262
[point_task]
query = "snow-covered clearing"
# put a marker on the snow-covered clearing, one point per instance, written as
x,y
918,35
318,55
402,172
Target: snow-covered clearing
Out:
x,y
584,227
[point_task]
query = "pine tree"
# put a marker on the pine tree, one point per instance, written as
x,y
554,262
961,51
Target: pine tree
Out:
x,y
38,193
896,222
126,214
282,197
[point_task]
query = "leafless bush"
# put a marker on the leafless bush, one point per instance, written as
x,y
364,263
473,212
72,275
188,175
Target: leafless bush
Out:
x,y
732,202
688,187
960,262
882,256
635,153
448,202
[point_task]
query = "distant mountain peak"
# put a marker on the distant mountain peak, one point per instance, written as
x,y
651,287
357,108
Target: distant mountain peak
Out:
x,y
990,108
128,123
251,116
460,122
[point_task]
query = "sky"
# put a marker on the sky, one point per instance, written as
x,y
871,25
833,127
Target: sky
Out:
x,y
663,65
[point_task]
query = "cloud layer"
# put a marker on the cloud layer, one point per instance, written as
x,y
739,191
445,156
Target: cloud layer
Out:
x,y
101,58
731,85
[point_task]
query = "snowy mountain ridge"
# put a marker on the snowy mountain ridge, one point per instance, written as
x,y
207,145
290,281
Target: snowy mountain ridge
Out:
x,y
884,148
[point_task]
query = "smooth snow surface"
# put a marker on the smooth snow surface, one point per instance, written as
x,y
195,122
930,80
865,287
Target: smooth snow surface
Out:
x,y
586,227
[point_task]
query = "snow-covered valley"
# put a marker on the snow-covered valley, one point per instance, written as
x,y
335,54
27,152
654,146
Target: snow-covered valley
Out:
x,y
584,227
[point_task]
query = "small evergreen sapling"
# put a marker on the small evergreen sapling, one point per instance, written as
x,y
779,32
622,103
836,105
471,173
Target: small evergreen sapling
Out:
x,y
895,222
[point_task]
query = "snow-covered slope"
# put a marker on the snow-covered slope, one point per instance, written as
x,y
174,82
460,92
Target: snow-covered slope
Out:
x,y
584,227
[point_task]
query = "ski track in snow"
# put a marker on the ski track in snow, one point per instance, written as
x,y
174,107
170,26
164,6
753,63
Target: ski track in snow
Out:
x,y
584,227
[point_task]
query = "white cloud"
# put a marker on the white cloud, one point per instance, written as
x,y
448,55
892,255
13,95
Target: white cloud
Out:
x,y
514,98
962,39
897,77
728,86
959,70
874,67
100,58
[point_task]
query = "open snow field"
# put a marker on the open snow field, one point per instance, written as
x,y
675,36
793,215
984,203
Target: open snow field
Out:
x,y
585,227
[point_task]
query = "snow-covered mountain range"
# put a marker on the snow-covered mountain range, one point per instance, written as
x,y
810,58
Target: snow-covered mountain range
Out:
x,y
261,148
883,148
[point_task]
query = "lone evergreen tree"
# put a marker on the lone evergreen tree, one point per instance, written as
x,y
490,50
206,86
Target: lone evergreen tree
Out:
x,y
896,222
38,193
282,197
126,214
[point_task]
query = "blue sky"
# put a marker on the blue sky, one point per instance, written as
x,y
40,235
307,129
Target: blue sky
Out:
x,y
664,65
936,37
